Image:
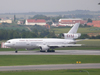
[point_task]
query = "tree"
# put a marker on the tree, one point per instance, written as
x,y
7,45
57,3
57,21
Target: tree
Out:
x,y
84,36
41,17
50,23
89,20
14,18
54,20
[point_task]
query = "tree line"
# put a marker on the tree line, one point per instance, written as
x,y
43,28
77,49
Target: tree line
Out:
x,y
10,34
84,36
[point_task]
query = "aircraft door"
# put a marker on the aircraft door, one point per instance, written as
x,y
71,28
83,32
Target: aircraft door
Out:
x,y
14,44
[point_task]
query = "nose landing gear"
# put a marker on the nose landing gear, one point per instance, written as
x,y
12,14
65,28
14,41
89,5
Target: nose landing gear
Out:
x,y
16,51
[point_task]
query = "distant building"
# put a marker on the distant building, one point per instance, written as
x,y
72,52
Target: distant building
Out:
x,y
94,23
93,34
6,21
47,26
70,22
55,24
20,22
40,22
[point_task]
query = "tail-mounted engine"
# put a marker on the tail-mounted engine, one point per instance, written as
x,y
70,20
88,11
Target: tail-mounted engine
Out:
x,y
71,36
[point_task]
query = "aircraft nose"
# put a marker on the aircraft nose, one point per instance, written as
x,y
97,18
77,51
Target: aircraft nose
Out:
x,y
5,44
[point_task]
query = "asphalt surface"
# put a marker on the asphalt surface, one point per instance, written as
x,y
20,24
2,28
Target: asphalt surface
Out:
x,y
54,66
57,52
50,67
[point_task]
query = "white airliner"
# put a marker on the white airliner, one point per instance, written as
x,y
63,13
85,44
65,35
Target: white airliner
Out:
x,y
45,44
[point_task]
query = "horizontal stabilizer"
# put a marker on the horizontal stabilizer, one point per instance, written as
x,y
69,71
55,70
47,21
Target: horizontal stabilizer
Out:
x,y
81,40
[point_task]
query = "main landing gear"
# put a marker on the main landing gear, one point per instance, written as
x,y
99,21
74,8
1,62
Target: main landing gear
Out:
x,y
50,50
47,51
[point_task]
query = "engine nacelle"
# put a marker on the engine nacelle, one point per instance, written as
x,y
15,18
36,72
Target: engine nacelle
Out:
x,y
44,47
71,36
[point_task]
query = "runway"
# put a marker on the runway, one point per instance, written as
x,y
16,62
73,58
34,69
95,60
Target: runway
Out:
x,y
54,66
50,67
57,52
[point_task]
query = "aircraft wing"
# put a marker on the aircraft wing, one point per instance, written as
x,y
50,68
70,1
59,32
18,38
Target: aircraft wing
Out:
x,y
61,45
66,45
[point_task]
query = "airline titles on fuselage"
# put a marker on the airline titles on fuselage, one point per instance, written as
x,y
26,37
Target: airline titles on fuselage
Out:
x,y
30,40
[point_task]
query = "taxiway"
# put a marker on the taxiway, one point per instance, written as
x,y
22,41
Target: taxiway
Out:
x,y
57,52
50,67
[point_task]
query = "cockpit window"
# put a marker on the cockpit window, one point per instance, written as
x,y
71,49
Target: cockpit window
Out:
x,y
8,41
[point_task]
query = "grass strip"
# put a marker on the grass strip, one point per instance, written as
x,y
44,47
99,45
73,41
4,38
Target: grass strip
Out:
x,y
65,48
13,60
55,72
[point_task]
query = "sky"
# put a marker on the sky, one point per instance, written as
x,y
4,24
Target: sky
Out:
x,y
19,6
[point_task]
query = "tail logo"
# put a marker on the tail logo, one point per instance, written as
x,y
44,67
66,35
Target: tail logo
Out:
x,y
70,35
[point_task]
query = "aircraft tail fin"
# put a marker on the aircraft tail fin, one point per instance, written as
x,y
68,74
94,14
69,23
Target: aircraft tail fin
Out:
x,y
74,28
72,34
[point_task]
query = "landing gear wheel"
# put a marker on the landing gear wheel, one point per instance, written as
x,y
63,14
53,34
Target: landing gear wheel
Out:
x,y
51,51
16,51
48,51
42,51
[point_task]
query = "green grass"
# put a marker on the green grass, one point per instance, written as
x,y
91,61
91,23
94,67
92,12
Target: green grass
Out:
x,y
11,60
90,42
65,48
54,72
80,48
83,30
2,41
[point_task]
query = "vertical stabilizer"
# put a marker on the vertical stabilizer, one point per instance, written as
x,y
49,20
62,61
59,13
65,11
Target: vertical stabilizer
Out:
x,y
72,34
74,28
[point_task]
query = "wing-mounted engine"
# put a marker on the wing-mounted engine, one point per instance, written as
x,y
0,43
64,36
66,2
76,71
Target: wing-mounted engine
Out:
x,y
44,47
71,36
